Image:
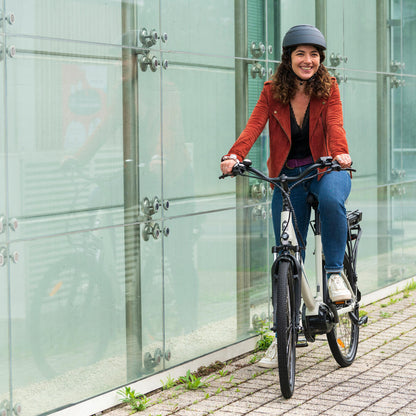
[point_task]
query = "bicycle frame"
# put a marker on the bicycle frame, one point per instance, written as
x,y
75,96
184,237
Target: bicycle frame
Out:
x,y
312,300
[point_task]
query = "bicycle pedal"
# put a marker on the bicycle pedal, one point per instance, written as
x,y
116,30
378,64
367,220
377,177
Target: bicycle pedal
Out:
x,y
301,342
342,303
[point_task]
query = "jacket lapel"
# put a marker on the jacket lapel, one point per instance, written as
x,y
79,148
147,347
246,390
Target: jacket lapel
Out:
x,y
317,105
281,113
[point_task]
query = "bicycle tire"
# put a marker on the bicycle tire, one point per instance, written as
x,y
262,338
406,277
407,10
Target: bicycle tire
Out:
x,y
343,339
285,318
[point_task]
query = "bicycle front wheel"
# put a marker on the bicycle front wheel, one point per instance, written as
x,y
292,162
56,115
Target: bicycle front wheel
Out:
x,y
285,318
343,339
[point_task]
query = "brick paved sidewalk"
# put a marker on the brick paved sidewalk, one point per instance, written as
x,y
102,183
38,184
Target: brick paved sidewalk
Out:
x,y
381,381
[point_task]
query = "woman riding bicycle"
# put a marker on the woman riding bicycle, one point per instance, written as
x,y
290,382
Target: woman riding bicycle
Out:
x,y
303,107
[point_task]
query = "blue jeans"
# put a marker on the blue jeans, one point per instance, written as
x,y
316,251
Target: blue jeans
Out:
x,y
331,190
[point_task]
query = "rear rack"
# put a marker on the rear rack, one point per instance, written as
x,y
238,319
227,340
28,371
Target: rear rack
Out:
x,y
354,217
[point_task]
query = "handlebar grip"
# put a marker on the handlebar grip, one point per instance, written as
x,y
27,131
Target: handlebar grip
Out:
x,y
238,169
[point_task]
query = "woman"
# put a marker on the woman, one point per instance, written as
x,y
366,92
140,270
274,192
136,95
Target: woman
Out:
x,y
303,107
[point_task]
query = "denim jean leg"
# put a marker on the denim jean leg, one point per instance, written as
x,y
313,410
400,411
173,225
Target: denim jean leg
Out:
x,y
332,191
298,196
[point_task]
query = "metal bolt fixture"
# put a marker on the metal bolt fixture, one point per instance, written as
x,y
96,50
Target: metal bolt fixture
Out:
x,y
148,61
396,83
257,69
257,50
259,213
17,409
4,407
10,18
149,39
13,224
150,207
150,230
3,256
258,191
398,173
11,51
396,66
340,78
335,60
14,257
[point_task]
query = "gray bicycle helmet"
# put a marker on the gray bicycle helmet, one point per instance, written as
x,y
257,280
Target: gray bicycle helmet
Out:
x,y
304,35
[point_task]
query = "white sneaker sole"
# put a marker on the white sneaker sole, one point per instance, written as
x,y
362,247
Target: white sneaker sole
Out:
x,y
340,298
268,364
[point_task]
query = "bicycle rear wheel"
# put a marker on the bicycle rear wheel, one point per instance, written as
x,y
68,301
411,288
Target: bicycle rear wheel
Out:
x,y
343,339
285,319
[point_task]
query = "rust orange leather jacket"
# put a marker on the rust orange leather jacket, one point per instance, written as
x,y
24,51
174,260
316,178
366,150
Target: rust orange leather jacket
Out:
x,y
326,132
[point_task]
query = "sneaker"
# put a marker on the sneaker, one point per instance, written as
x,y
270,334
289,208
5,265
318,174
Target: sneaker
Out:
x,y
338,291
270,358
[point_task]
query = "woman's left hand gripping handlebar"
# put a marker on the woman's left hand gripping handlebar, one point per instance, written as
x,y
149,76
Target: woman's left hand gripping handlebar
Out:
x,y
344,160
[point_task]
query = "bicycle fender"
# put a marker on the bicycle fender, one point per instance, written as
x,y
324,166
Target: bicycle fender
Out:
x,y
297,269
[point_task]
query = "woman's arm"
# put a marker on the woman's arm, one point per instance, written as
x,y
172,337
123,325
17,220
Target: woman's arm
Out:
x,y
254,127
335,133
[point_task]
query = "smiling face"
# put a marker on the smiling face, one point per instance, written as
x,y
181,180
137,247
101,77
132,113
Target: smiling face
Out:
x,y
305,61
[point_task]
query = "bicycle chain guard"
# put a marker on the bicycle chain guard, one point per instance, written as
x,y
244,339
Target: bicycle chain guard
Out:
x,y
322,323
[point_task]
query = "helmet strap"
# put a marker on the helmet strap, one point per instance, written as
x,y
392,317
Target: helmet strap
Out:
x,y
301,80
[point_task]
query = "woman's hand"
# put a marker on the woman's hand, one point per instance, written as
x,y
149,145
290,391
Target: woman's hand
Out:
x,y
227,166
344,160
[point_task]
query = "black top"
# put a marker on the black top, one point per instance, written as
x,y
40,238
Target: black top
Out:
x,y
300,136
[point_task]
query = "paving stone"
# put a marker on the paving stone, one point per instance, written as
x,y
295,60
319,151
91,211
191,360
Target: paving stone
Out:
x,y
381,381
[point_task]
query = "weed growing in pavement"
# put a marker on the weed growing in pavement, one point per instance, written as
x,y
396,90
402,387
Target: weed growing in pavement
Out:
x,y
223,373
392,301
266,338
136,401
253,359
170,382
192,382
385,314
409,287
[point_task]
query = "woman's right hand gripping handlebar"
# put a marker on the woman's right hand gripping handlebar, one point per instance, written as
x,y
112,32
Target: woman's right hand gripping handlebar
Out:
x,y
227,166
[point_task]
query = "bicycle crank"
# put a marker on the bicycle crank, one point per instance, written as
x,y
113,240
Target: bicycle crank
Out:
x,y
322,323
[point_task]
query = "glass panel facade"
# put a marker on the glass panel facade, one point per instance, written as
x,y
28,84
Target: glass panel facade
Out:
x,y
121,253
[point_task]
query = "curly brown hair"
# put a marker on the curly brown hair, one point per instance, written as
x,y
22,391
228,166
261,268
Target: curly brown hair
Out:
x,y
284,79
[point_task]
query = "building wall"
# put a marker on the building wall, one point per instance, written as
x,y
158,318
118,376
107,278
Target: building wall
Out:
x,y
122,253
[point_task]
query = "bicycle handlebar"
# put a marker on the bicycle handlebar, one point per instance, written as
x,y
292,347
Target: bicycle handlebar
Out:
x,y
240,168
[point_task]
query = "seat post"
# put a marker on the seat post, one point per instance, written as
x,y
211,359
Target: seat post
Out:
x,y
313,202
